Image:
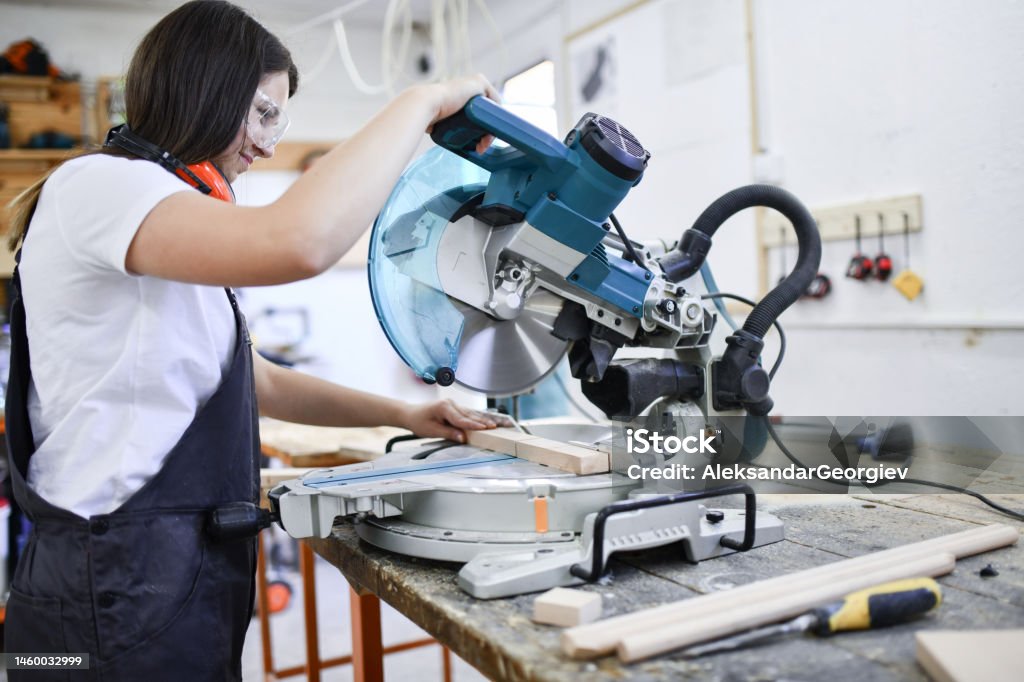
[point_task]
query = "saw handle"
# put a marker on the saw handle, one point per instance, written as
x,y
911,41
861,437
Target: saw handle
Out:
x,y
598,558
461,131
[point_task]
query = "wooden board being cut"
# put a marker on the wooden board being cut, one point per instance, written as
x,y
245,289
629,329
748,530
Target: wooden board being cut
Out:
x,y
562,456
972,656
499,440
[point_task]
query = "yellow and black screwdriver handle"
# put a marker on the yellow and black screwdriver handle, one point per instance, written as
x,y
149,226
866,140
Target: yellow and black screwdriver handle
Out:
x,y
879,606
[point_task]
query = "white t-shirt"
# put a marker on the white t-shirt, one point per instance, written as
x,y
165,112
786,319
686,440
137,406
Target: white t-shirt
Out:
x,y
120,363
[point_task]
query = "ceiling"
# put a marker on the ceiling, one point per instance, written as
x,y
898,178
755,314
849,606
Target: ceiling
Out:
x,y
364,12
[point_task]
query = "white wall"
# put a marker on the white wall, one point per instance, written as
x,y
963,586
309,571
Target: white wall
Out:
x,y
859,100
873,99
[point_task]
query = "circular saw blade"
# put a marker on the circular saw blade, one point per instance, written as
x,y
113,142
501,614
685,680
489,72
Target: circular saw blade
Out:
x,y
508,357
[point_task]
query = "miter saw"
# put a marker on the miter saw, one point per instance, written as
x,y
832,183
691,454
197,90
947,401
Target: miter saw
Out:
x,y
486,270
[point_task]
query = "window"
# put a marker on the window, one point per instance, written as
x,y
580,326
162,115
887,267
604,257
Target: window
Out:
x,y
530,95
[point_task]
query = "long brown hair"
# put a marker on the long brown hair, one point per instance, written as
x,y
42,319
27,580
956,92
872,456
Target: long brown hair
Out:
x,y
188,88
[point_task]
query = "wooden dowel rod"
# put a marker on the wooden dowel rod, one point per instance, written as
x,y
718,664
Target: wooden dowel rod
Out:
x,y
772,607
601,638
696,607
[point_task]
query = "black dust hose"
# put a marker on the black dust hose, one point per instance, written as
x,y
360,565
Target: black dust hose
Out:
x,y
687,258
739,380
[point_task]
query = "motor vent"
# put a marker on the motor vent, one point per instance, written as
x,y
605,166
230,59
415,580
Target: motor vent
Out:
x,y
621,138
613,147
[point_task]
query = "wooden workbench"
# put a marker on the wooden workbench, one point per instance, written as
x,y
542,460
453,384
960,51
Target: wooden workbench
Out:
x,y
298,445
498,638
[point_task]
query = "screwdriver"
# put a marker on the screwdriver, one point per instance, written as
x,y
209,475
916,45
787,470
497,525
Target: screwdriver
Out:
x,y
887,604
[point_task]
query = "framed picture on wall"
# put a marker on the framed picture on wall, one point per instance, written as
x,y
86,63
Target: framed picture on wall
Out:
x,y
592,64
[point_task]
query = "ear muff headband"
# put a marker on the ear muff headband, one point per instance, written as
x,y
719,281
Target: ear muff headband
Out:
x,y
205,176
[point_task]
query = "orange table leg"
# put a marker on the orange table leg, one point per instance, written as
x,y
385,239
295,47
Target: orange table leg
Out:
x,y
446,663
264,609
307,565
367,650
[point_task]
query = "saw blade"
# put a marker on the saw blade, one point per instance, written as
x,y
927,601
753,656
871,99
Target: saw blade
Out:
x,y
508,357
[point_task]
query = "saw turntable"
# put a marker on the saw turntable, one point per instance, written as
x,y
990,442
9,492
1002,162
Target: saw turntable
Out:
x,y
486,270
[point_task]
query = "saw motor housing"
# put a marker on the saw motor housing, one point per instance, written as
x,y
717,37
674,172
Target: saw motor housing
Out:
x,y
539,225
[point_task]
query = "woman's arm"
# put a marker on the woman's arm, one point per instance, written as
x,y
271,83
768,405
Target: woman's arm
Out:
x,y
296,397
192,238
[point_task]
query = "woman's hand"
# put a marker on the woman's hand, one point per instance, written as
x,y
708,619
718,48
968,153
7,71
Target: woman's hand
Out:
x,y
445,419
452,95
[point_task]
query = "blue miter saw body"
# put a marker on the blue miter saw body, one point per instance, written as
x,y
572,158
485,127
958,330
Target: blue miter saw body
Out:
x,y
528,218
485,270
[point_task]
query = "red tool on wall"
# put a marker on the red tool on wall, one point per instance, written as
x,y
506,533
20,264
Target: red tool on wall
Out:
x,y
860,266
883,263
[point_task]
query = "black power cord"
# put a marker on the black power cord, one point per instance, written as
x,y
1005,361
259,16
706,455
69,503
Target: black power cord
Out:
x,y
791,457
626,243
915,481
775,323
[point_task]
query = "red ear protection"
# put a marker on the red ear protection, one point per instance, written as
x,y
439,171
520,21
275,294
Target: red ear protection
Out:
x,y
216,184
205,176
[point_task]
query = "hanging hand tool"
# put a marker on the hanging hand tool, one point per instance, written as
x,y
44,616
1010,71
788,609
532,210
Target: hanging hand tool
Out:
x,y
908,282
860,265
879,606
883,262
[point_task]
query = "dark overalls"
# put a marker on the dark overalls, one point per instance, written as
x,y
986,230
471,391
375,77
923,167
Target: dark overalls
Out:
x,y
142,590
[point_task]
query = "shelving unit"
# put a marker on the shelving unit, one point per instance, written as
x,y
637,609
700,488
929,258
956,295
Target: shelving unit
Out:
x,y
35,104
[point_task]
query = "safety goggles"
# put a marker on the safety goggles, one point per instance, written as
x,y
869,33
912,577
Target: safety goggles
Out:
x,y
267,122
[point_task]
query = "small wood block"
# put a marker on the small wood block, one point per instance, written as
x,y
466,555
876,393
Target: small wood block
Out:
x,y
971,655
565,607
499,440
563,456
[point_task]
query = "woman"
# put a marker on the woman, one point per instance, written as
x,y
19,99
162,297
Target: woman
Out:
x,y
135,416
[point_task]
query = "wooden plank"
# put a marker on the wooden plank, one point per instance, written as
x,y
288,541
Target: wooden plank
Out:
x,y
557,455
770,607
270,477
25,88
62,112
301,445
499,440
975,656
563,456
9,158
600,638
